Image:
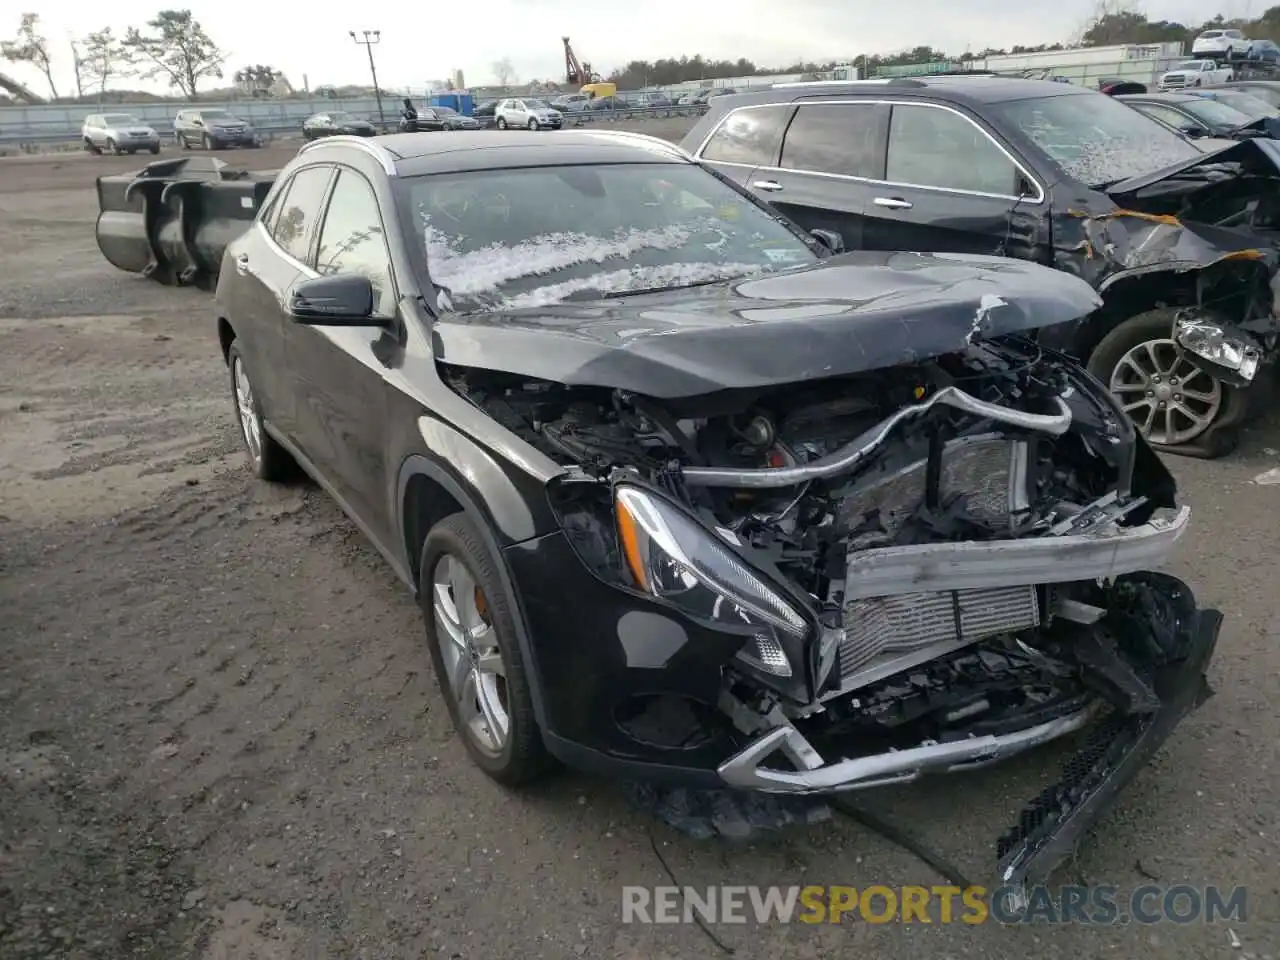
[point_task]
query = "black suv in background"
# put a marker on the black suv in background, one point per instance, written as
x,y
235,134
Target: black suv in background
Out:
x,y
212,129
1052,173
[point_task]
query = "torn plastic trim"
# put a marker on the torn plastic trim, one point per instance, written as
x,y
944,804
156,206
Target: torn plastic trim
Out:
x,y
971,565
745,770
1118,750
853,453
1221,350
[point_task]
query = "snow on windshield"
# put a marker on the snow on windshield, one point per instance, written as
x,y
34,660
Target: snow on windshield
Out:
x,y
533,236
1096,139
467,274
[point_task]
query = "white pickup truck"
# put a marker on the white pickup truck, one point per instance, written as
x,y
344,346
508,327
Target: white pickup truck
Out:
x,y
1195,73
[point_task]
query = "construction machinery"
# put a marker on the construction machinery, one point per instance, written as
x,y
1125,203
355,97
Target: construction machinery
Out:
x,y
575,71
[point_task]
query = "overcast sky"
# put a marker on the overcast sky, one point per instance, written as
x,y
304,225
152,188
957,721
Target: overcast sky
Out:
x,y
422,42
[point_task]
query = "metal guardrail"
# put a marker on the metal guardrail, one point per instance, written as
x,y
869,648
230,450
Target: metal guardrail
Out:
x,y
61,125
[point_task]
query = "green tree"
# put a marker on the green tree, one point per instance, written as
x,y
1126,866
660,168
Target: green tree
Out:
x,y
176,48
31,47
101,57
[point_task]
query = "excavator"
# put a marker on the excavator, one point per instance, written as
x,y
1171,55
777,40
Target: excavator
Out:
x,y
575,71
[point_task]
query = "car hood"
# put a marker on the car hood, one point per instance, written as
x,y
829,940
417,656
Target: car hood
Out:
x,y
844,315
1263,154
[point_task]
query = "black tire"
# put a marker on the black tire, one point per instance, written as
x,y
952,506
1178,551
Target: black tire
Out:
x,y
182,142
88,145
501,123
154,149
208,143
1157,324
111,147
523,756
533,124
272,463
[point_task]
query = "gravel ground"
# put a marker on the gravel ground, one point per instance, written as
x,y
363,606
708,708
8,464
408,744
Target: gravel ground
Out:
x,y
220,736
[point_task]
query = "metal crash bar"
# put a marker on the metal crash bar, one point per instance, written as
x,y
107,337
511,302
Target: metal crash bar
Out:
x,y
850,455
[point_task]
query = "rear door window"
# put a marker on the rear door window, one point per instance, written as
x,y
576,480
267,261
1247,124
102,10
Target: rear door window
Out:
x,y
300,208
837,138
933,147
749,136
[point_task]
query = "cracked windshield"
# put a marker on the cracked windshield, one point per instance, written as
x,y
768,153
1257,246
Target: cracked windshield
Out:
x,y
525,238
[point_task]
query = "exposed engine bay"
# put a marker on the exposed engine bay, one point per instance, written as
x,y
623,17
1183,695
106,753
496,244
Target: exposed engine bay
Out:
x,y
964,543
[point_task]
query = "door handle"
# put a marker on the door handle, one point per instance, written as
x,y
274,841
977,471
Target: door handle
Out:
x,y
772,186
893,203
242,264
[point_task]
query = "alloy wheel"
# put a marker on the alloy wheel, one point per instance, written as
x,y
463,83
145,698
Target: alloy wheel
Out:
x,y
250,426
1169,399
469,650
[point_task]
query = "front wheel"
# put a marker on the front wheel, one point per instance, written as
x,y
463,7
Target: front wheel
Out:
x,y
268,460
502,123
111,146
89,145
471,634
1172,402
208,142
533,124
154,148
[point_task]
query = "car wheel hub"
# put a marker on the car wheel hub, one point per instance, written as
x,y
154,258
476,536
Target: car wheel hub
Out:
x,y
1170,399
249,425
469,651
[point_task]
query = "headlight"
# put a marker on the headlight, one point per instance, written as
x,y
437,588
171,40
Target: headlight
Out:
x,y
672,558
1219,349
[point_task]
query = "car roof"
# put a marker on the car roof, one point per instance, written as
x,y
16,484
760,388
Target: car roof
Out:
x,y
423,153
973,90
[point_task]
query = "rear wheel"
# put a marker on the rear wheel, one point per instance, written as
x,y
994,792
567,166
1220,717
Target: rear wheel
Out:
x,y
268,460
471,633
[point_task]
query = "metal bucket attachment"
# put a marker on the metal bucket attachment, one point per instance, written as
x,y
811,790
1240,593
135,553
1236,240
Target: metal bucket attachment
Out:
x,y
173,220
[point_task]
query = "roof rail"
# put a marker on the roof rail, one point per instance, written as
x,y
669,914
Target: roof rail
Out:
x,y
878,81
379,153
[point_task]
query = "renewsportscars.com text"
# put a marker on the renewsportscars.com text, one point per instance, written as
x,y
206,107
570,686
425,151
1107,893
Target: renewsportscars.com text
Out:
x,y
1102,905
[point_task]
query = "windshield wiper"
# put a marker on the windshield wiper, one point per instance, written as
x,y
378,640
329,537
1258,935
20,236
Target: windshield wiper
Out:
x,y
639,291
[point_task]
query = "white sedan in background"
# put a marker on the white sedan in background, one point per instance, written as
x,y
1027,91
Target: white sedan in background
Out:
x,y
525,113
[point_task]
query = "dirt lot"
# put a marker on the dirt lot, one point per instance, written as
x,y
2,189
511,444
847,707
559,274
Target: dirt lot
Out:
x,y
220,736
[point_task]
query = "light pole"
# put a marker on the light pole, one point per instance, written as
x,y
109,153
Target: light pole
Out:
x,y
368,38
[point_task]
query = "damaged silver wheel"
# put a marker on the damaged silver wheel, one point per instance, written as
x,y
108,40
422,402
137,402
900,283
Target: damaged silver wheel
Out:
x,y
469,650
1169,399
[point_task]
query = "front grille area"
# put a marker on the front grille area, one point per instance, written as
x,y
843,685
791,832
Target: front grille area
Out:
x,y
879,630
987,470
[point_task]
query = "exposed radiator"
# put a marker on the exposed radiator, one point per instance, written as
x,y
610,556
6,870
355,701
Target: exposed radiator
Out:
x,y
988,470
885,634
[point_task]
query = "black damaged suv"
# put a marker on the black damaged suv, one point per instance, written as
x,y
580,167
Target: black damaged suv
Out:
x,y
685,497
1182,245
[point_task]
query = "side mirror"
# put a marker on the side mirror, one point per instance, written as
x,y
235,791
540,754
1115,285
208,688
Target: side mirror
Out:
x,y
342,300
829,239
1194,131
